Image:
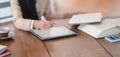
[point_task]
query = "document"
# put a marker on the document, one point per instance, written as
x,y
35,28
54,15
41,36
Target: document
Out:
x,y
85,18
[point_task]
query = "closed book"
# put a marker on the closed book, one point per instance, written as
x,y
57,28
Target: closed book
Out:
x,y
85,18
2,48
5,53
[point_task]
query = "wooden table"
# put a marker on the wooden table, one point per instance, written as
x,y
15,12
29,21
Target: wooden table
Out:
x,y
25,44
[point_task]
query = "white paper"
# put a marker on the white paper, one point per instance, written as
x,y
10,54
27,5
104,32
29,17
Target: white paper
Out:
x,y
105,28
86,18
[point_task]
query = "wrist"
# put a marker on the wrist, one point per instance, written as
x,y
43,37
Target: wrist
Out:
x,y
35,24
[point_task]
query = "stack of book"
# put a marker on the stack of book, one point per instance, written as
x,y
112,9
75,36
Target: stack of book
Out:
x,y
4,51
94,25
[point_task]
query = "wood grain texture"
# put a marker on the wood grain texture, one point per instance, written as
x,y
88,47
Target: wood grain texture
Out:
x,y
81,45
24,44
112,48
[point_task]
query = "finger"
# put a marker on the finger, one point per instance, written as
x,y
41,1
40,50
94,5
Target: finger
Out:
x,y
48,22
48,25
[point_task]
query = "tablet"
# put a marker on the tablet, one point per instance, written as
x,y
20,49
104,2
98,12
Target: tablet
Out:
x,y
55,32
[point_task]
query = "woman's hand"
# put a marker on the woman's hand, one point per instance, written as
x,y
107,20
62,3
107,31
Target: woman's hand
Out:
x,y
42,24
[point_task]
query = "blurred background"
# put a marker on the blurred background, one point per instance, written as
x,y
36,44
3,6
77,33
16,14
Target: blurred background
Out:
x,y
5,11
106,7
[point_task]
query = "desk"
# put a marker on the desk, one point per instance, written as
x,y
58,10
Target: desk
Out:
x,y
26,45
82,45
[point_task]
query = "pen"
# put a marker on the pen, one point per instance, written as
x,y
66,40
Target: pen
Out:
x,y
44,19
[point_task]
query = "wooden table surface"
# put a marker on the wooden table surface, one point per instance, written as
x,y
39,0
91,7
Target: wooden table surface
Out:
x,y
25,44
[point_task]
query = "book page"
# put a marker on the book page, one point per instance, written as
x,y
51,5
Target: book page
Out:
x,y
101,29
115,21
107,24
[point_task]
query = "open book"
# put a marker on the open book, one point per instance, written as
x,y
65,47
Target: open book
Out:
x,y
105,28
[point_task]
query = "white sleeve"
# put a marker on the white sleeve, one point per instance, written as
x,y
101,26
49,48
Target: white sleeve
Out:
x,y
31,24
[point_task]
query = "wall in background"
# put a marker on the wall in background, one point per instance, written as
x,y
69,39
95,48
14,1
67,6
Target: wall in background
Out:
x,y
5,11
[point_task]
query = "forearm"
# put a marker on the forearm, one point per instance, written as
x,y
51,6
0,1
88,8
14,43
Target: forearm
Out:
x,y
60,15
23,24
19,21
54,15
57,15
66,15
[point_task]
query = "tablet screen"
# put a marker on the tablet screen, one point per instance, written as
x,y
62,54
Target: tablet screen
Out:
x,y
54,32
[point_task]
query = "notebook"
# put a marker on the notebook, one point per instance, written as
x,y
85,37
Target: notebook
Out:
x,y
85,18
5,53
2,48
55,32
106,28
